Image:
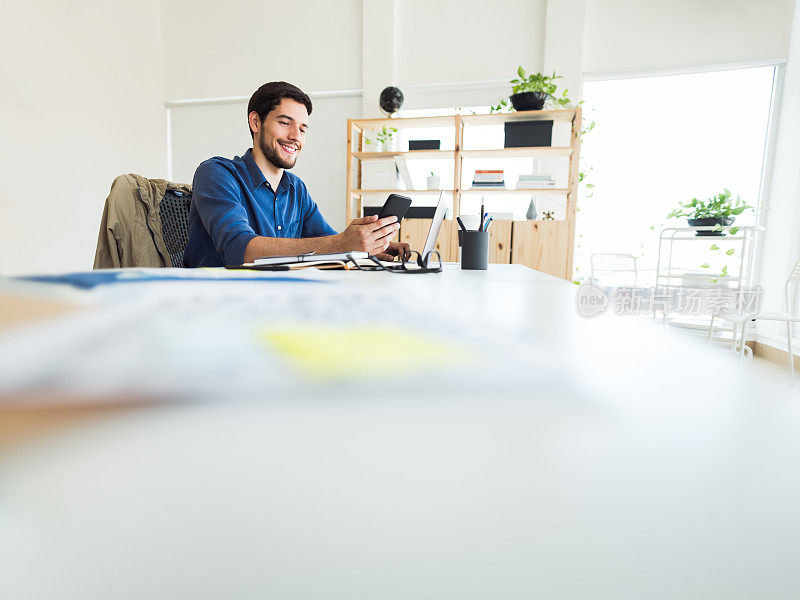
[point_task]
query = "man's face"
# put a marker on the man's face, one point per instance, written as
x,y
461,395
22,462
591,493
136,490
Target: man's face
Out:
x,y
283,133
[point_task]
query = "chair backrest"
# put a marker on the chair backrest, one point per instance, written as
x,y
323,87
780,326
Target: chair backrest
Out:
x,y
613,263
174,213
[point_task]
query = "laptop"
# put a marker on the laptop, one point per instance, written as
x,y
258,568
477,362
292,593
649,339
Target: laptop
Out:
x,y
433,232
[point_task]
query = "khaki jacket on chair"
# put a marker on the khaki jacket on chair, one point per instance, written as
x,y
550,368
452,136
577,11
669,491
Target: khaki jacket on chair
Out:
x,y
130,230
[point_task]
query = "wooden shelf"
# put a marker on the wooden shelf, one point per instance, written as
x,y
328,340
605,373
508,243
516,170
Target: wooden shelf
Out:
x,y
515,191
359,192
415,122
408,154
487,191
450,120
530,152
547,246
528,115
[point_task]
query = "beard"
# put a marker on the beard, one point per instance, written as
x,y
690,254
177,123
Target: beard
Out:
x,y
273,155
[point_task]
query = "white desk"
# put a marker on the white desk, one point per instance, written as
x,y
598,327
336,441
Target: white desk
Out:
x,y
593,483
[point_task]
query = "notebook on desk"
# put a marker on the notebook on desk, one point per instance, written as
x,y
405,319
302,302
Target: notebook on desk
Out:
x,y
338,260
309,257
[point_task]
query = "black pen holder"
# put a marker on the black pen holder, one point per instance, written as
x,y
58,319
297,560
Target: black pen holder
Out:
x,y
474,250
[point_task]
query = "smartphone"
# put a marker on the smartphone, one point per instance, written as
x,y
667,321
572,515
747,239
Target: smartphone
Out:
x,y
395,206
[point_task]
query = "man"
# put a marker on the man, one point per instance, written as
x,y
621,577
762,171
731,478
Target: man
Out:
x,y
252,206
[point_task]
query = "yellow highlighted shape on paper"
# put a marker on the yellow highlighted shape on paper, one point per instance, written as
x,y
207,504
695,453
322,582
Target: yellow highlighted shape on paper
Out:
x,y
327,352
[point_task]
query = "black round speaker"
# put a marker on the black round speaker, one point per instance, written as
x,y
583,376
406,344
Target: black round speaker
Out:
x,y
391,100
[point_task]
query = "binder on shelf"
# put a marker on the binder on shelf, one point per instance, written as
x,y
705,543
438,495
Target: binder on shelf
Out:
x,y
424,144
524,134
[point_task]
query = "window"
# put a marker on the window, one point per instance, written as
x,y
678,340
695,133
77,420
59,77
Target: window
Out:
x,y
663,140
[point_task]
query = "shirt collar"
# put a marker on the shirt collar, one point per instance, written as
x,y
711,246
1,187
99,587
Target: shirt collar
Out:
x,y
257,175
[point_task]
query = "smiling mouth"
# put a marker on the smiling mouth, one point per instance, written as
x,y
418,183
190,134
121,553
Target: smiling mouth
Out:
x,y
290,148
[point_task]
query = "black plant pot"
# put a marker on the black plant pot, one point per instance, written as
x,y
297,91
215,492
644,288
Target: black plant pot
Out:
x,y
528,100
710,222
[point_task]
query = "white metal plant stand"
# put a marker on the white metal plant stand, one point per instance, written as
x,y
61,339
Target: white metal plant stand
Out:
x,y
671,278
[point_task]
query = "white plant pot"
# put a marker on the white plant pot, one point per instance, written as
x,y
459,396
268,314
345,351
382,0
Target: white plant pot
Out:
x,y
434,182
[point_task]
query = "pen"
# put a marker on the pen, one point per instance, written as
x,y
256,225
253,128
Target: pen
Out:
x,y
480,227
488,222
461,224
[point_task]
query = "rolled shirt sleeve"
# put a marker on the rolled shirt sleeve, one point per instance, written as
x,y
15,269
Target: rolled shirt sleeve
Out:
x,y
218,198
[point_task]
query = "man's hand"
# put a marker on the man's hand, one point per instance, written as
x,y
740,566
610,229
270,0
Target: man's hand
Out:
x,y
369,234
395,250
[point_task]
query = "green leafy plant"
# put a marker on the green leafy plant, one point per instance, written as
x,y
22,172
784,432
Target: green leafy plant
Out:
x,y
383,135
719,206
535,82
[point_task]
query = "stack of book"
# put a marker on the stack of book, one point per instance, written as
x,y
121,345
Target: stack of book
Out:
x,y
534,182
379,174
487,178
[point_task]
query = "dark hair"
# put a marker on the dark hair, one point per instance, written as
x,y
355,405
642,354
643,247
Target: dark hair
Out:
x,y
269,95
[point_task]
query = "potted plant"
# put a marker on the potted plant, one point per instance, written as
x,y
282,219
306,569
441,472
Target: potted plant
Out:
x,y
383,138
434,181
718,211
531,91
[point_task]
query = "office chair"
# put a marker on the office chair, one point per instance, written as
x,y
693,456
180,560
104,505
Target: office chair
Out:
x,y
791,291
174,212
144,224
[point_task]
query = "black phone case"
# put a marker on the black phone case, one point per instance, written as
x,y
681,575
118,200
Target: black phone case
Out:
x,y
395,206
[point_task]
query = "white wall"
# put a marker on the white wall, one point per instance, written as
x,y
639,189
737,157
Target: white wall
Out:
x,y
81,101
432,49
634,35
782,220
230,48
458,40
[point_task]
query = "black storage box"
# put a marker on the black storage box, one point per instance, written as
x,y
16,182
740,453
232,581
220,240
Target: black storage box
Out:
x,y
521,134
424,144
414,212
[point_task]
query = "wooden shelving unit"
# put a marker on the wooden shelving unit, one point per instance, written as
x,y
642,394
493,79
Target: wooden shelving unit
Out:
x,y
543,245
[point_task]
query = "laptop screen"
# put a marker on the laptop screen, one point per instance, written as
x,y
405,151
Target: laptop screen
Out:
x,y
438,217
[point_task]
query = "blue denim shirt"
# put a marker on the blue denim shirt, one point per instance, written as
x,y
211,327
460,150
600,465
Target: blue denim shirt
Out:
x,y
232,202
